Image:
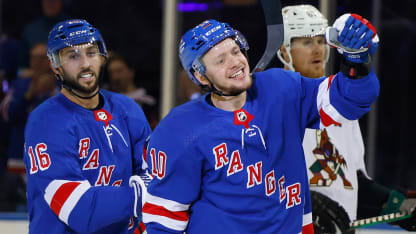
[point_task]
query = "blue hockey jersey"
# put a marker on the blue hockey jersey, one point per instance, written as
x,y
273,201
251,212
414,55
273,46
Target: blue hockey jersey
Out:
x,y
79,162
244,171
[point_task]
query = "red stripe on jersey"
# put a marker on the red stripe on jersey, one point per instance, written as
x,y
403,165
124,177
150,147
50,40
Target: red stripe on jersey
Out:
x,y
308,229
61,195
142,227
330,81
145,153
161,211
327,120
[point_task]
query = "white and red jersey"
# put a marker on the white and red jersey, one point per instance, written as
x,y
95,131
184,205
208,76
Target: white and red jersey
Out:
x,y
343,142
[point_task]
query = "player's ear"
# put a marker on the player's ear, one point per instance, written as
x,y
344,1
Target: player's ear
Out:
x,y
284,53
202,79
53,69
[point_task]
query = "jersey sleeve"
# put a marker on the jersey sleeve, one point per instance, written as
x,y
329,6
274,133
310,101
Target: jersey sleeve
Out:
x,y
307,225
139,130
177,172
340,99
55,180
336,99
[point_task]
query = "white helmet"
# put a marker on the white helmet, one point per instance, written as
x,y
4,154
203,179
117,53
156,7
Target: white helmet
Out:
x,y
301,21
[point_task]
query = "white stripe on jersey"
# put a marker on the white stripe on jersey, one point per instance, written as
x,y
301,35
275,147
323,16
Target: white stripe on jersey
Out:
x,y
323,102
307,219
165,221
71,199
168,213
168,204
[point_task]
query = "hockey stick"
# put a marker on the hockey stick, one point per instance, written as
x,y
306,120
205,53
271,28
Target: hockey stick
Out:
x,y
273,14
387,218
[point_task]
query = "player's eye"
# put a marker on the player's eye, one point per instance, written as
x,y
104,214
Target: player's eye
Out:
x,y
74,56
92,53
307,42
219,61
236,51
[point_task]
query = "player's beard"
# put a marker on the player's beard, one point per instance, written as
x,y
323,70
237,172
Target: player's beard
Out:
x,y
234,91
74,84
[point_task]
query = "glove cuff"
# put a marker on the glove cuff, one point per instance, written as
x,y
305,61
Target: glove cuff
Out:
x,y
394,201
355,71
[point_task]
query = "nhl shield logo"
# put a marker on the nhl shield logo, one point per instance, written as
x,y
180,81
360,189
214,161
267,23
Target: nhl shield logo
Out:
x,y
103,116
241,116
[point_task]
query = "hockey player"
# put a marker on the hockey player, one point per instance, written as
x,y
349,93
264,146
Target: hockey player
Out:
x,y
232,161
335,154
84,147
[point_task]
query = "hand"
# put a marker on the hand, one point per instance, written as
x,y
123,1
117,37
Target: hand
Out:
x,y
404,201
355,33
409,205
139,185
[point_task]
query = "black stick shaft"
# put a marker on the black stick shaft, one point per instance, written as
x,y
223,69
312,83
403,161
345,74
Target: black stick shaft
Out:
x,y
273,14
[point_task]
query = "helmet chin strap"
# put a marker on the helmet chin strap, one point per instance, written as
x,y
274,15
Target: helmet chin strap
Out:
x,y
212,89
71,90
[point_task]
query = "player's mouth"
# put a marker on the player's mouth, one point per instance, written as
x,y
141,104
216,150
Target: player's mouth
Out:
x,y
89,76
317,61
239,75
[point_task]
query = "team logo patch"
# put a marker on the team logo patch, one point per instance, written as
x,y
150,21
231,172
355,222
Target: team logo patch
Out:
x,y
328,162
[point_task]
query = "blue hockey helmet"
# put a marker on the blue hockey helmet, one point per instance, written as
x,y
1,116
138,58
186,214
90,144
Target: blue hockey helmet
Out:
x,y
70,33
198,40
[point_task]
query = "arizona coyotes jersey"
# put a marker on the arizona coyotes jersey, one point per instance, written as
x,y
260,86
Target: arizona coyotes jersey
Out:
x,y
333,156
242,172
79,162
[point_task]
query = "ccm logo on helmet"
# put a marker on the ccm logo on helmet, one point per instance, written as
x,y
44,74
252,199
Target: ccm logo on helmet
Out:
x,y
212,30
77,32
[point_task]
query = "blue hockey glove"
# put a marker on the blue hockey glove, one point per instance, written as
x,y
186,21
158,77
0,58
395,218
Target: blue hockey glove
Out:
x,y
139,185
356,37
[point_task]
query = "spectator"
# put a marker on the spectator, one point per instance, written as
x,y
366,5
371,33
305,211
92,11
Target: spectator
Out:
x,y
121,75
24,95
37,31
8,67
8,58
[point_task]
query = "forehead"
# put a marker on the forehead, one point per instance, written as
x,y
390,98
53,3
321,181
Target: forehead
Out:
x,y
222,47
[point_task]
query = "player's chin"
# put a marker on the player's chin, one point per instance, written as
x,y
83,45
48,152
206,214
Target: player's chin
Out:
x,y
243,86
315,72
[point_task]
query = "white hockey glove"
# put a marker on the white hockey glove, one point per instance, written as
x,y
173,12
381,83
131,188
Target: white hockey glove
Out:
x,y
139,185
354,37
